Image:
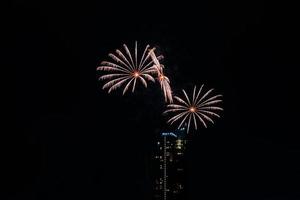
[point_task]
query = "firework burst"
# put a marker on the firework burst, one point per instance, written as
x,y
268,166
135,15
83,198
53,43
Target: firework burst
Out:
x,y
198,107
126,69
163,80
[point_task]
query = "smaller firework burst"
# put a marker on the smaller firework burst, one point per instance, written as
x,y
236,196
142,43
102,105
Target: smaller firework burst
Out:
x,y
198,107
162,79
126,69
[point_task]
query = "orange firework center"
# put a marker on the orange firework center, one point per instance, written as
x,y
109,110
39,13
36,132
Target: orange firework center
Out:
x,y
161,77
136,74
192,109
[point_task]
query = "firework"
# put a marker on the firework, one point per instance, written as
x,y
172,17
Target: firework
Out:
x,y
126,69
194,108
163,80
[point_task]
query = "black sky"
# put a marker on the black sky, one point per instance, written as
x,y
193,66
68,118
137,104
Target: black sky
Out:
x,y
71,140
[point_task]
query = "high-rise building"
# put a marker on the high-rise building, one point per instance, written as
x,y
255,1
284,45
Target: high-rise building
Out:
x,y
169,176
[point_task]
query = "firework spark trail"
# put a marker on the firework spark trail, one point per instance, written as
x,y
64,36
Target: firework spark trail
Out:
x,y
126,69
194,109
163,80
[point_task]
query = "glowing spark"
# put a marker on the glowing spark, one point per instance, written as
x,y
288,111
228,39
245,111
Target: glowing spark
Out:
x,y
194,109
126,69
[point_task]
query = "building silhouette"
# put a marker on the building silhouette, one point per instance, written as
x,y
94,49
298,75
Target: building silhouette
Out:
x,y
169,165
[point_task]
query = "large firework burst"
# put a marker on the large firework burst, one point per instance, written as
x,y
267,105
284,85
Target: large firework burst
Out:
x,y
194,108
126,69
163,80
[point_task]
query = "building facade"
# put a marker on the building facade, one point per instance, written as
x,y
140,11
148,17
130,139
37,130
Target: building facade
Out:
x,y
169,159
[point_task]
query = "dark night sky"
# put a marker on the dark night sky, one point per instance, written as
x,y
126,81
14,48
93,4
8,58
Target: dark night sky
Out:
x,y
70,140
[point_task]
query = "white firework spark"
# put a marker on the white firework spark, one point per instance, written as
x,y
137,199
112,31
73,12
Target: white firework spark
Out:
x,y
163,80
126,69
197,108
